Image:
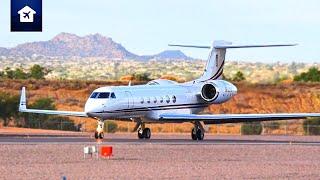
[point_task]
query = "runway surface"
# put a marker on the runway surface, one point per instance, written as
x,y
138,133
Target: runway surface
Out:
x,y
165,139
165,156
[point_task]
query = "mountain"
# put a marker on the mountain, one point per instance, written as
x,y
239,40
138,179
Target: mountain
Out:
x,y
171,54
96,45
4,51
66,45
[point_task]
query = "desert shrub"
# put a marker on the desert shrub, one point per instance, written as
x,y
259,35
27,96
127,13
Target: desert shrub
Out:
x,y
251,128
37,72
110,126
8,107
142,77
239,76
313,75
311,126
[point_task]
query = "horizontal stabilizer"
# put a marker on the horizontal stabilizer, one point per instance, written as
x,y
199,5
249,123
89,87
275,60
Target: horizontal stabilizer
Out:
x,y
228,45
251,46
190,46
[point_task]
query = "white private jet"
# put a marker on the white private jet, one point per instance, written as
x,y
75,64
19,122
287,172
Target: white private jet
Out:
x,y
165,101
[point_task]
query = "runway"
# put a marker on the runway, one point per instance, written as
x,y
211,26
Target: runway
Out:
x,y
165,156
165,139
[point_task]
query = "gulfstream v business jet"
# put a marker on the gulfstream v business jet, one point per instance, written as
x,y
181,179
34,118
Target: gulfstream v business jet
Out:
x,y
165,101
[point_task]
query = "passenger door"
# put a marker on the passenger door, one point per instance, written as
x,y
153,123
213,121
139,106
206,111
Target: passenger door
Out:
x,y
130,99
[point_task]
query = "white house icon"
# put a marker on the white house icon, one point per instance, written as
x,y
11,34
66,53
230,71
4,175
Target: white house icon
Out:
x,y
26,14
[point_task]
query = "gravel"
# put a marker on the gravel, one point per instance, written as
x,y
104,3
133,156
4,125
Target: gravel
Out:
x,y
161,161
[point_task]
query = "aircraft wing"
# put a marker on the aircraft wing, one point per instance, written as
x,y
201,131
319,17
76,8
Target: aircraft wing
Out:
x,y
23,108
233,118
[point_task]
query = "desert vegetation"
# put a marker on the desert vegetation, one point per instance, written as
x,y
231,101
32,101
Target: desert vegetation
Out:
x,y
297,96
72,95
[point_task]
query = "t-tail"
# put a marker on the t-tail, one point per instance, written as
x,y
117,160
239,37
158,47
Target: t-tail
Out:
x,y
216,59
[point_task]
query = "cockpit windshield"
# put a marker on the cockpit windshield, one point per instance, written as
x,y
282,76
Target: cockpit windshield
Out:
x,y
94,95
103,95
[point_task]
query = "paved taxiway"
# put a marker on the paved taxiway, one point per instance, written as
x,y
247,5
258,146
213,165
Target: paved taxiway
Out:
x,y
165,139
162,157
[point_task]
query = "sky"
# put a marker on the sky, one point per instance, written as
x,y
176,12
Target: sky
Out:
x,y
147,27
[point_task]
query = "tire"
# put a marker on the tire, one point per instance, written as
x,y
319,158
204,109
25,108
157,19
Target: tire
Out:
x,y
140,134
147,133
96,135
101,135
193,134
200,134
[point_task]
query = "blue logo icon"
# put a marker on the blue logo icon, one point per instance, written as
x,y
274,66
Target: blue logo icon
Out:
x,y
26,15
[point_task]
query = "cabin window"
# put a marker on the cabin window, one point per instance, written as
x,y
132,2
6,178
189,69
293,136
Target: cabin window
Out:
x,y
167,99
174,99
161,99
155,100
94,95
104,95
148,100
141,100
113,95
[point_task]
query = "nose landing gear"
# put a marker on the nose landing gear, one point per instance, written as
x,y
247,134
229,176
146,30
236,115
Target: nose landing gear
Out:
x,y
197,132
99,131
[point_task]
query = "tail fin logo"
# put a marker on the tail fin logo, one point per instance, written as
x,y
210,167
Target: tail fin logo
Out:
x,y
217,60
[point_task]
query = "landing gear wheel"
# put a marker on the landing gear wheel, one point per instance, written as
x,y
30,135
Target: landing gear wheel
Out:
x,y
200,134
101,135
96,135
140,134
147,133
144,134
193,134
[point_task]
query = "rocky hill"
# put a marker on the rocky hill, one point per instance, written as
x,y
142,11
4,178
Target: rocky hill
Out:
x,y
171,54
70,45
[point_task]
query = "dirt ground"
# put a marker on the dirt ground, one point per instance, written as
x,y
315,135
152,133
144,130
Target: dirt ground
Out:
x,y
162,161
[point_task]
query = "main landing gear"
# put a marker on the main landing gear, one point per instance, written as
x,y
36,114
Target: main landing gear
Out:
x,y
197,132
99,131
143,132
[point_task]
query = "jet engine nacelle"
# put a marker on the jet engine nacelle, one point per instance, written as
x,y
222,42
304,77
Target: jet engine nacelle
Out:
x,y
217,91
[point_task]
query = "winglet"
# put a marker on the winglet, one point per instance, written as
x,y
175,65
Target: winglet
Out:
x,y
23,101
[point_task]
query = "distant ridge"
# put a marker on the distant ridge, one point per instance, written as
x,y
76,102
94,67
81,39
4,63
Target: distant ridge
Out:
x,y
93,45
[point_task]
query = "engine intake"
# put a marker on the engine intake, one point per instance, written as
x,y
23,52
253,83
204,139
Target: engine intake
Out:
x,y
209,92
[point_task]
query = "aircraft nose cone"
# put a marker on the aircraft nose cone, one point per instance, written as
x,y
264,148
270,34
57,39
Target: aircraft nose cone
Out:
x,y
91,107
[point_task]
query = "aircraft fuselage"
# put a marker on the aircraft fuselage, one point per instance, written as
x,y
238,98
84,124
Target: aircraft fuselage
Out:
x,y
149,101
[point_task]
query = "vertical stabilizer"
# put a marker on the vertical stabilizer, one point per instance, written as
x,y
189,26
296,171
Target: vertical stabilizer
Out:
x,y
215,62
216,59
